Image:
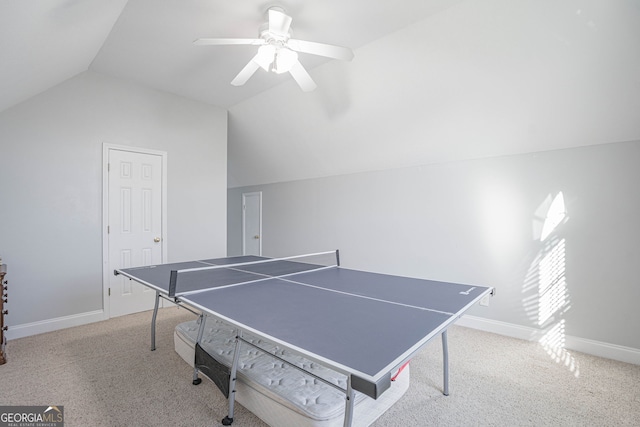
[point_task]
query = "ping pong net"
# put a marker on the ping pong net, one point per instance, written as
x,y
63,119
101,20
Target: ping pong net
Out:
x,y
215,276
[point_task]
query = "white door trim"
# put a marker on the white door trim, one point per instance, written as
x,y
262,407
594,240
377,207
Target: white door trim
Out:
x,y
106,309
244,220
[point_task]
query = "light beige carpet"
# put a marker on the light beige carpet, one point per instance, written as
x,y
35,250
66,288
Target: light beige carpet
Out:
x,y
105,375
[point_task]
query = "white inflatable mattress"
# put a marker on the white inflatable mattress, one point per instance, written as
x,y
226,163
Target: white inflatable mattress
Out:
x,y
277,393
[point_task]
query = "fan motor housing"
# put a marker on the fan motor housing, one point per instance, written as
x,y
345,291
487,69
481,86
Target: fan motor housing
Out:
x,y
267,35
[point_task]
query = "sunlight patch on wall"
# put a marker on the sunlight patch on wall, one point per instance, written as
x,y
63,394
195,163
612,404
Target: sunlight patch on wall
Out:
x,y
547,293
555,216
499,212
552,285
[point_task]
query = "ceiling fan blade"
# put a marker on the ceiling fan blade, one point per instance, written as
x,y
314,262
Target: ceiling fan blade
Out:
x,y
328,50
219,42
245,74
279,23
301,77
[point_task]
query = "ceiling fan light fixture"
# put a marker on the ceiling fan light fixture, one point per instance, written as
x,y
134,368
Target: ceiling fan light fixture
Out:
x,y
278,52
285,60
265,56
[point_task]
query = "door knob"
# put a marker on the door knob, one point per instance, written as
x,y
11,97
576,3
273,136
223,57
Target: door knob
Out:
x,y
157,240
256,237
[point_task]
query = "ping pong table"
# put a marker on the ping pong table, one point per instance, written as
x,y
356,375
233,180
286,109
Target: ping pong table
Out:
x,y
364,325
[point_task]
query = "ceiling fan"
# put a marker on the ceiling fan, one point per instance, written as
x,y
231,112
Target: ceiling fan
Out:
x,y
278,51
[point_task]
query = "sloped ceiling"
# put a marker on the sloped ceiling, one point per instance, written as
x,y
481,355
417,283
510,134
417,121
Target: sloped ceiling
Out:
x,y
43,42
480,79
432,80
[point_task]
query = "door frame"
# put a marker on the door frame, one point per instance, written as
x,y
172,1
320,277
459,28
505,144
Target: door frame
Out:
x,y
106,147
244,220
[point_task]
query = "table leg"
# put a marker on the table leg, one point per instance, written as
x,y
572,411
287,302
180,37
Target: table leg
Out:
x,y
445,363
232,381
153,321
201,322
349,404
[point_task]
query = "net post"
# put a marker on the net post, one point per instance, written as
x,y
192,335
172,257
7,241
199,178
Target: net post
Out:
x,y
173,280
338,257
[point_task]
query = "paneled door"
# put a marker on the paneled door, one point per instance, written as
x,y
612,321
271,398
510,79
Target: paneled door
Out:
x,y
252,223
134,229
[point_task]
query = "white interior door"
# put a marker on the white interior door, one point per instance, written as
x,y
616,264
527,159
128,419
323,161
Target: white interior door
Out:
x,y
135,226
252,223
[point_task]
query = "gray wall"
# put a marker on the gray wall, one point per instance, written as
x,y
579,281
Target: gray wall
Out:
x,y
51,186
479,222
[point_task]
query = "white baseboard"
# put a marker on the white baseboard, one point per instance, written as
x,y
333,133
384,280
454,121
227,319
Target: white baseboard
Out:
x,y
594,348
500,328
603,349
34,328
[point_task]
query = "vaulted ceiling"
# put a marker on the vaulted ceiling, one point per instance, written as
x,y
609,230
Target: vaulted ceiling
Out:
x,y
432,80
43,42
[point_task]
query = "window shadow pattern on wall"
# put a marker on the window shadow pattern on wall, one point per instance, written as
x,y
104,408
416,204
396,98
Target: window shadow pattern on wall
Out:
x,y
546,297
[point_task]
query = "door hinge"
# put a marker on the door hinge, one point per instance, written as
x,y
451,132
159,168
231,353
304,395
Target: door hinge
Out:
x,y
108,229
109,291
